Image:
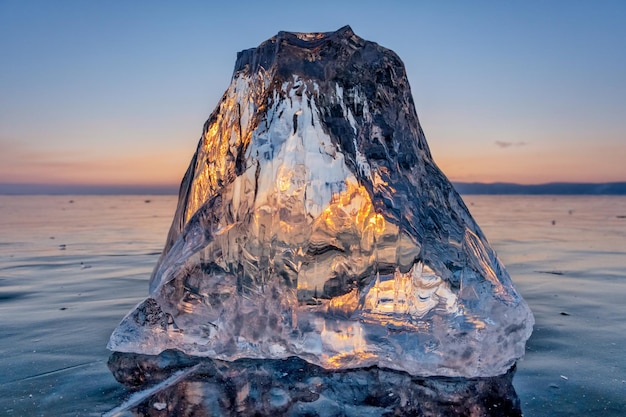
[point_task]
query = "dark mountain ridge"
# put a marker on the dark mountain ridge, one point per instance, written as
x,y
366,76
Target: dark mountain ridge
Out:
x,y
552,188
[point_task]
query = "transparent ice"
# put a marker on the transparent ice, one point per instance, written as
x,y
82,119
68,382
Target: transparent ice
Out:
x,y
313,222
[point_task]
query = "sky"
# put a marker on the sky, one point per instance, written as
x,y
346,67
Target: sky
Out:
x,y
116,92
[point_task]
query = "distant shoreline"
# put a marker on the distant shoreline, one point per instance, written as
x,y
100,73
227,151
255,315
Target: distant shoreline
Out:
x,y
464,188
552,188
65,189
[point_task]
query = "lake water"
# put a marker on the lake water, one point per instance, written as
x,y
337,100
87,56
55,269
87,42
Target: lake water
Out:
x,y
72,266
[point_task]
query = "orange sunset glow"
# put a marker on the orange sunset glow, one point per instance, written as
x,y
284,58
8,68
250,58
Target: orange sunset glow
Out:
x,y
509,93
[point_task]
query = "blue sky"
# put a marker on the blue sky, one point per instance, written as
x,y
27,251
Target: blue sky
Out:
x,y
116,92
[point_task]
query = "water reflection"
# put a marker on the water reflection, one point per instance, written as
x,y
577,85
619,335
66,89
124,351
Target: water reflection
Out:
x,y
172,384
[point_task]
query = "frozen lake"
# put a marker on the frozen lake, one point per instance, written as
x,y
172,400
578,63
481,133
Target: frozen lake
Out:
x,y
72,266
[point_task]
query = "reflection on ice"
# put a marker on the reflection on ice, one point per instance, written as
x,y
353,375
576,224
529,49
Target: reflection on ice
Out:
x,y
296,388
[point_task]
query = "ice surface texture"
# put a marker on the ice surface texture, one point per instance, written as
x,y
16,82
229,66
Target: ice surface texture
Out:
x,y
292,387
313,222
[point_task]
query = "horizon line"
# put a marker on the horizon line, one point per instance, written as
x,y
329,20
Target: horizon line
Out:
x,y
560,187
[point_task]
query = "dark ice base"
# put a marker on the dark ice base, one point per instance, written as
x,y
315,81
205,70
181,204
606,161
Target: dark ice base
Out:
x,y
293,387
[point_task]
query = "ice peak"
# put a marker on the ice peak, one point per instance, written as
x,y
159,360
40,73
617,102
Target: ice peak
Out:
x,y
319,55
313,39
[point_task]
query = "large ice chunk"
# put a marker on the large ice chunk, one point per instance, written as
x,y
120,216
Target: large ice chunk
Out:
x,y
313,222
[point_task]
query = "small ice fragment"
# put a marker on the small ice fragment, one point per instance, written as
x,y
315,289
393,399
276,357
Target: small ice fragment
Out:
x,y
159,406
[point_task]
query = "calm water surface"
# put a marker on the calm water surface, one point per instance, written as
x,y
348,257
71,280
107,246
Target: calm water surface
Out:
x,y
72,266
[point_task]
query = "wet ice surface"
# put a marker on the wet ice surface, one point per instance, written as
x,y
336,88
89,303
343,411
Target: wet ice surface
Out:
x,y
574,273
68,266
54,362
